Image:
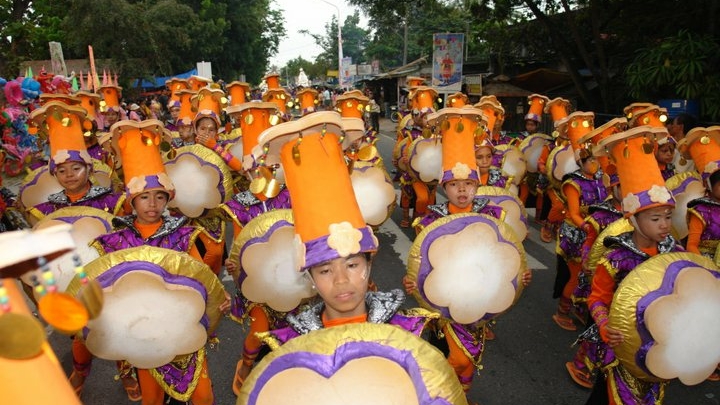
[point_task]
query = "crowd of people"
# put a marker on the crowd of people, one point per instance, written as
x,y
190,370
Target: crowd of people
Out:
x,y
179,169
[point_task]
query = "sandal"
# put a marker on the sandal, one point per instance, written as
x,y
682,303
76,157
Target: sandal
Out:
x,y
405,223
715,376
580,377
546,234
489,334
564,322
237,381
77,381
132,388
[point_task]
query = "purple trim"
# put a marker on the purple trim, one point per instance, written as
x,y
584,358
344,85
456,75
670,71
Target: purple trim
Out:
x,y
450,228
74,157
448,176
252,241
73,219
111,275
499,199
151,183
645,201
534,117
317,251
328,365
204,162
666,288
681,188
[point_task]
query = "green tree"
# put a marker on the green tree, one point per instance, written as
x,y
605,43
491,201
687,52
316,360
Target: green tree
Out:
x,y
354,40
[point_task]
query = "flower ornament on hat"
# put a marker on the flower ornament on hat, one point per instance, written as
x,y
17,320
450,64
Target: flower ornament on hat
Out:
x,y
64,126
493,110
208,103
423,100
641,183
630,110
703,146
653,116
537,104
594,137
110,98
459,128
198,82
457,100
138,144
579,124
239,92
328,220
351,104
307,100
175,85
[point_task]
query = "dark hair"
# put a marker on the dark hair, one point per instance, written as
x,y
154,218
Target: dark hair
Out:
x,y
688,121
714,178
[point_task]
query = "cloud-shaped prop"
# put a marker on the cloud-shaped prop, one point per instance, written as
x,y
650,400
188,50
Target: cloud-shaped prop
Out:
x,y
514,164
271,274
686,328
685,187
147,322
374,192
473,273
426,159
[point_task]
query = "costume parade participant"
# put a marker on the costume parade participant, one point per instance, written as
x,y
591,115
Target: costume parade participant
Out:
x,y
489,175
580,189
533,118
174,104
648,205
184,133
70,162
149,189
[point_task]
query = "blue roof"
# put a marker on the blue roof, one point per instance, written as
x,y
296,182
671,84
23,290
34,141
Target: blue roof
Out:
x,y
160,81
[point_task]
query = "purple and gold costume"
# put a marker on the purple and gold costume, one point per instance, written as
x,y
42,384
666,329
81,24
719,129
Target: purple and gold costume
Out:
x,y
592,191
480,205
708,211
102,198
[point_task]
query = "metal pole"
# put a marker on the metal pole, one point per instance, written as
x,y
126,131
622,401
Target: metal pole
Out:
x,y
340,51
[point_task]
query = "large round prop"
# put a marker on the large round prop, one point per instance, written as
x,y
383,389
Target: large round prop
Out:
x,y
202,180
513,163
400,150
598,249
374,191
354,364
159,304
682,164
515,214
265,254
561,161
236,148
532,147
39,183
425,157
467,267
666,309
87,224
684,187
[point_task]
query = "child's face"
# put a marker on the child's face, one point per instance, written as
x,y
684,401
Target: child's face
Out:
x,y
655,223
111,117
590,166
342,284
483,158
174,112
150,205
72,176
460,193
665,153
531,126
186,133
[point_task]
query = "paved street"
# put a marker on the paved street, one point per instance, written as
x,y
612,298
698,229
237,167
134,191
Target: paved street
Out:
x,y
524,365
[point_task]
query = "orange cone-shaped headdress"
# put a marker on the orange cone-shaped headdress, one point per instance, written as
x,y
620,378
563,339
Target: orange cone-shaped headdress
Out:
x,y
537,105
198,82
653,115
579,124
110,98
239,92
457,100
423,99
458,129
254,118
703,146
64,126
208,103
307,100
352,104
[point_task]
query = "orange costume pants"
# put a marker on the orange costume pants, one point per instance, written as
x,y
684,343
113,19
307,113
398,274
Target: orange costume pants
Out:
x,y
153,394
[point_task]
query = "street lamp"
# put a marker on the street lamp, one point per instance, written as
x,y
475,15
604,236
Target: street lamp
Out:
x,y
340,52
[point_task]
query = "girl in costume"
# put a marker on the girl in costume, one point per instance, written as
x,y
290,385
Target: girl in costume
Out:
x,y
664,154
648,205
489,175
70,162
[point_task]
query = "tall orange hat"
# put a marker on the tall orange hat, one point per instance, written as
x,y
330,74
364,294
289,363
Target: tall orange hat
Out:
x,y
594,137
254,118
90,102
239,92
198,82
328,221
273,81
641,182
703,146
653,115
493,110
423,99
307,100
414,81
110,98
208,103
579,124
187,113
175,85
630,110
280,97
458,130
457,100
64,126
558,108
139,146
537,105
351,104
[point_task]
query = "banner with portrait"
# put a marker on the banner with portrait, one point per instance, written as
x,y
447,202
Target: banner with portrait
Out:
x,y
447,62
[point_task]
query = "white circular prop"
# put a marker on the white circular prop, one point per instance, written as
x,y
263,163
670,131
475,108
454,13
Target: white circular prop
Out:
x,y
513,163
467,267
684,187
236,148
681,163
354,364
87,224
374,191
515,214
266,256
667,310
532,147
561,162
202,180
425,156
158,304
